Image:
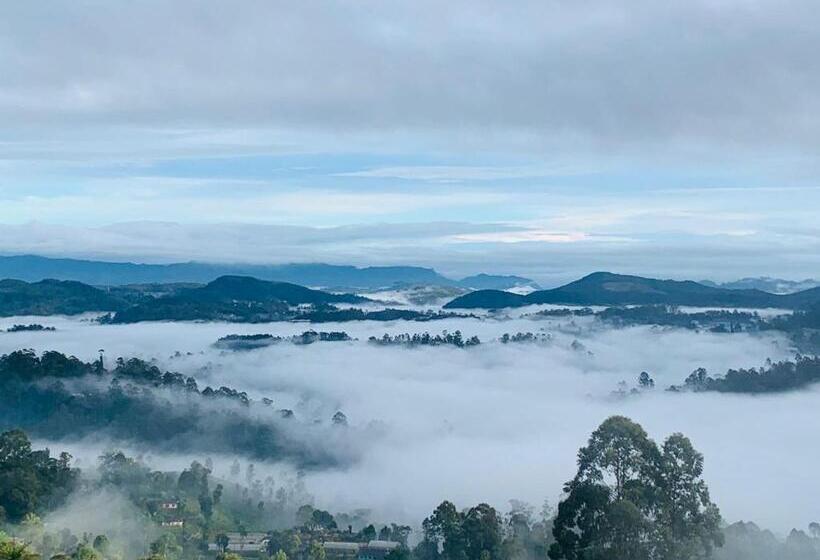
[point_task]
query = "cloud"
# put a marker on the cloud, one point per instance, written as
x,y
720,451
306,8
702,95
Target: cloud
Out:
x,y
497,421
682,78
454,173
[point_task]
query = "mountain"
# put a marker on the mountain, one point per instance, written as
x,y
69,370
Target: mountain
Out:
x,y
766,284
495,282
31,268
605,288
34,268
53,297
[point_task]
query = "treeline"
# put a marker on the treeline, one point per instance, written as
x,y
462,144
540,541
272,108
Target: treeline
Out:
x,y
802,327
426,339
525,337
253,341
333,314
61,397
772,378
33,327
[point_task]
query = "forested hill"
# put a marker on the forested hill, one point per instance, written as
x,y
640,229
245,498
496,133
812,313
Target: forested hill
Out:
x,y
605,288
54,297
227,293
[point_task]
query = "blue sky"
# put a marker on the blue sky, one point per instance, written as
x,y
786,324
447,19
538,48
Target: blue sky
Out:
x,y
530,137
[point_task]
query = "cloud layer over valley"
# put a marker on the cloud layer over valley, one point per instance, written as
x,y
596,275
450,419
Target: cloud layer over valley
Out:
x,y
492,422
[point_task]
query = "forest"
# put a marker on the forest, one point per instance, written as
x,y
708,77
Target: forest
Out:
x,y
630,498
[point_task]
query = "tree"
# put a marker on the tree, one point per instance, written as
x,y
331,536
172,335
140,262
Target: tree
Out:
x,y
85,552
194,480
645,381
13,550
31,480
632,500
368,533
323,519
317,551
102,545
481,527
688,523
475,534
444,528
222,540
279,555
166,546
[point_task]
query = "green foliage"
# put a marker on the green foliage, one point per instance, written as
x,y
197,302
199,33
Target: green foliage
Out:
x,y
31,480
474,534
316,551
631,499
53,297
13,550
141,404
775,377
167,547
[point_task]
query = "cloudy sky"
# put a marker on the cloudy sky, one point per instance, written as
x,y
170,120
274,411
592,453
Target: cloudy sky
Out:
x,y
544,138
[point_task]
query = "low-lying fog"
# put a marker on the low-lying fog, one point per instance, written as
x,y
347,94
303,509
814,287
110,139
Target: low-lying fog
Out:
x,y
496,421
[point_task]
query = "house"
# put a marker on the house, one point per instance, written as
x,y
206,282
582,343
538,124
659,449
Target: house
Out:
x,y
376,550
173,523
373,550
335,550
168,505
246,543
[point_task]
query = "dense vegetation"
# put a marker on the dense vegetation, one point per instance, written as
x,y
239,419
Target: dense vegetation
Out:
x,y
634,499
60,397
662,315
772,378
31,480
630,499
33,327
425,339
253,341
53,297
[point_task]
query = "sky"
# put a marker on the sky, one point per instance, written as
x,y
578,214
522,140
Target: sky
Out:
x,y
542,138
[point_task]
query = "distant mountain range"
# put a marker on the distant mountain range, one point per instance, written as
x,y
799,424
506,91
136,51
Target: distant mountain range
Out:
x,y
31,268
605,288
246,299
766,284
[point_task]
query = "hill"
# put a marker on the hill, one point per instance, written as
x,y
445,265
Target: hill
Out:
x,y
53,297
230,298
605,288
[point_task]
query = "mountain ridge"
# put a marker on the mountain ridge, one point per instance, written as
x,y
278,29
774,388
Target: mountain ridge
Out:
x,y
606,288
33,268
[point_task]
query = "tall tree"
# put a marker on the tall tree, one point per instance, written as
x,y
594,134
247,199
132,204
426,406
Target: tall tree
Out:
x,y
632,500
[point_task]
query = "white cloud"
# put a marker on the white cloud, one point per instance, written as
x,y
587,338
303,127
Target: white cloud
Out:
x,y
497,421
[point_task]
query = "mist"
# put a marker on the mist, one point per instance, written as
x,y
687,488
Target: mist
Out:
x,y
488,423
